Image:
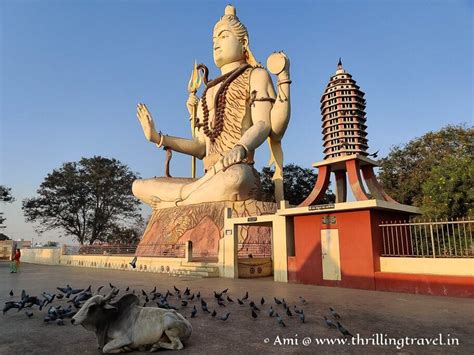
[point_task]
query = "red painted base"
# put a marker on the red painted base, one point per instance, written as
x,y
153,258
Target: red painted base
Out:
x,y
436,285
359,251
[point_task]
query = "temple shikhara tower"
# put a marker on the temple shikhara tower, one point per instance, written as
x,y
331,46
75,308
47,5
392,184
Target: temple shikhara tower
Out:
x,y
345,143
343,113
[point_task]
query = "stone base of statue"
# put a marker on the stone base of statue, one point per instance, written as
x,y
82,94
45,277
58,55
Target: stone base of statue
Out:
x,y
203,224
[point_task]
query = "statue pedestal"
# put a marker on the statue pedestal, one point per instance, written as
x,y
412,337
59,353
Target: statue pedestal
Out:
x,y
203,225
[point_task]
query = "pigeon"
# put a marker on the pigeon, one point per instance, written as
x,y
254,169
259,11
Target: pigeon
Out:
x,y
240,302
194,312
254,315
271,311
374,155
213,314
296,310
154,290
288,312
334,313
88,289
144,293
28,313
283,302
99,288
203,302
220,302
184,303
68,290
191,298
224,318
187,292
253,306
47,300
302,317
230,299
280,321
262,301
83,296
329,323
9,305
204,308
217,295
46,319
59,321
277,301
343,330
198,296
176,289
246,296
111,286
225,291
133,263
59,296
11,293
127,289
302,300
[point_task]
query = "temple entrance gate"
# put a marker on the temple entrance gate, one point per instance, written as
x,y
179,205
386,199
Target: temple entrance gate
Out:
x,y
281,243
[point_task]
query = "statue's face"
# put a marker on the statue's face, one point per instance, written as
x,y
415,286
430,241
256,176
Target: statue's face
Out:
x,y
227,48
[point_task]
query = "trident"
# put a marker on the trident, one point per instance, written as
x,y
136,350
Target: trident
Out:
x,y
193,86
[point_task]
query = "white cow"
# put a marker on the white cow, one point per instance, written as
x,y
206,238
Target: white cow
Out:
x,y
125,326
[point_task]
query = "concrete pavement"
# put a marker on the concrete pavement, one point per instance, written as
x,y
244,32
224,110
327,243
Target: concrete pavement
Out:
x,y
391,315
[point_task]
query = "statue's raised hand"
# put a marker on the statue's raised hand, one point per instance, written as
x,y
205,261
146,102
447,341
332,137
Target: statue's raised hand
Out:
x,y
147,123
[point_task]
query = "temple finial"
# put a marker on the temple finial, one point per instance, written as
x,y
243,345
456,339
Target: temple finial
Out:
x,y
339,64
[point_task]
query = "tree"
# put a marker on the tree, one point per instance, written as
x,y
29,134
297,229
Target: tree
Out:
x,y
298,183
5,196
4,237
51,244
448,191
86,199
411,171
125,235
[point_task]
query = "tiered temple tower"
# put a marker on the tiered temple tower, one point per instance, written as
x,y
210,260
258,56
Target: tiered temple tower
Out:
x,y
343,115
345,144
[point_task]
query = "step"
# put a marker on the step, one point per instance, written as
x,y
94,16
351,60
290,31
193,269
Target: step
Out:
x,y
204,273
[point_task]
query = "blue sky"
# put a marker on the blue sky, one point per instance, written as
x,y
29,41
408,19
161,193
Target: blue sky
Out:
x,y
72,73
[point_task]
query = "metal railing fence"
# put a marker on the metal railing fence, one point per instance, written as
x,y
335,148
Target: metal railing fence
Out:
x,y
436,239
176,250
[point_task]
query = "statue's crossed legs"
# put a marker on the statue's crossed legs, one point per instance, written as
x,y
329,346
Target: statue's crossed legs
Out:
x,y
237,183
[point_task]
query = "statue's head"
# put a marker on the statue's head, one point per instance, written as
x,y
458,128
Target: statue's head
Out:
x,y
231,40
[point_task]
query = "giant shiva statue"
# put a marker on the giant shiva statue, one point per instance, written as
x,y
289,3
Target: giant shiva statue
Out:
x,y
237,112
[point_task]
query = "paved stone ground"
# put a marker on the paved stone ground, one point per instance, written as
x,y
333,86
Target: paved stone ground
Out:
x,y
363,312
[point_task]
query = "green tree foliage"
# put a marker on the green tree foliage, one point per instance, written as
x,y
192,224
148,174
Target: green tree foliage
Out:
x,y
125,235
298,183
87,199
5,196
449,189
413,172
4,237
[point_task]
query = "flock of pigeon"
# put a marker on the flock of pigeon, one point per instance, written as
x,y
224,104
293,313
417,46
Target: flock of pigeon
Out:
x,y
181,301
54,313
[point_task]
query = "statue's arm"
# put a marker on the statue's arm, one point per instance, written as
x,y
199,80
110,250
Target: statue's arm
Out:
x,y
264,95
193,147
